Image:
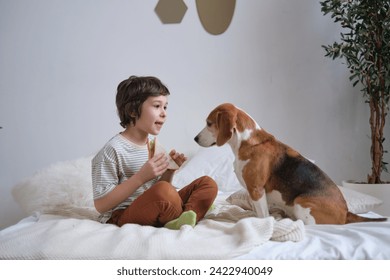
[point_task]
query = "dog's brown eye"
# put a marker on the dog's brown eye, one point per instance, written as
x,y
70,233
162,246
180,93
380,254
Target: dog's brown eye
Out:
x,y
208,123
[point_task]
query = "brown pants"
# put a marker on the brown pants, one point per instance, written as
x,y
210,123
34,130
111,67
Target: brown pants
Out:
x,y
163,203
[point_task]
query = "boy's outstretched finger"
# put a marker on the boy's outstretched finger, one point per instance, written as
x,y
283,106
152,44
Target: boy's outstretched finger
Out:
x,y
177,157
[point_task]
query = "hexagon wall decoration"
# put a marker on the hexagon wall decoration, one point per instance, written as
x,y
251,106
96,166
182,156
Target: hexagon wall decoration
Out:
x,y
170,11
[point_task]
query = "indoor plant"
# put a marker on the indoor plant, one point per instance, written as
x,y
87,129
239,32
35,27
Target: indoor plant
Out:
x,y
365,46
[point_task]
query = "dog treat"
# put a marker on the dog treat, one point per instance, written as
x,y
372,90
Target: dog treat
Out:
x,y
172,164
152,147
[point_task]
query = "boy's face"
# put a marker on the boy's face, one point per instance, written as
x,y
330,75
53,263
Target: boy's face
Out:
x,y
153,114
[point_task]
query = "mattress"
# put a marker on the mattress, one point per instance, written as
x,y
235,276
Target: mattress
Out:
x,y
61,223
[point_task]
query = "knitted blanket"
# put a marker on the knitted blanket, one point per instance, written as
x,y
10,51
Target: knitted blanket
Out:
x,y
226,232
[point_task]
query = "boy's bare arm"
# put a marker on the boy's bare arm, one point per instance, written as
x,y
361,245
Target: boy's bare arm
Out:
x,y
118,194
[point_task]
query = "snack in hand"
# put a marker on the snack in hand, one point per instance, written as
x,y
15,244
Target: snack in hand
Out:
x,y
172,165
154,149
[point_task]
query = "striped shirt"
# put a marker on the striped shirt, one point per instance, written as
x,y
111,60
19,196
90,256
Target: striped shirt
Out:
x,y
116,162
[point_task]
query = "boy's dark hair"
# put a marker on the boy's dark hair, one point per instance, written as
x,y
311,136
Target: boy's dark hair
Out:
x,y
132,93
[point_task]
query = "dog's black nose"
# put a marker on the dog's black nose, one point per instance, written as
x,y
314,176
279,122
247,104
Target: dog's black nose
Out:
x,y
196,139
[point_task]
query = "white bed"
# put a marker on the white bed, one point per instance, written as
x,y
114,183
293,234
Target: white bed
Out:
x,y
61,223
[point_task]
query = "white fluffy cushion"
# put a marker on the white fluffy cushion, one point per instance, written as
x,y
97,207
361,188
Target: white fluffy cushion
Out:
x,y
216,162
357,202
64,188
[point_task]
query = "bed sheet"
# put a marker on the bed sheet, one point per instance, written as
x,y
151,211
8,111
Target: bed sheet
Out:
x,y
227,231
358,241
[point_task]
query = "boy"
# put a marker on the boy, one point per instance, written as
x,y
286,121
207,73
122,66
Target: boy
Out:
x,y
131,184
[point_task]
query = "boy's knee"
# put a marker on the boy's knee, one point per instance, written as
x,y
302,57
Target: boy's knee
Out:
x,y
208,181
163,190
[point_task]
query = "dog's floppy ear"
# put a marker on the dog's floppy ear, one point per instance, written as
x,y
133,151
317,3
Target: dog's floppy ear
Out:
x,y
225,126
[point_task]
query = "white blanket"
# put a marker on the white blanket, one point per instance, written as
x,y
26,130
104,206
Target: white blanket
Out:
x,y
226,232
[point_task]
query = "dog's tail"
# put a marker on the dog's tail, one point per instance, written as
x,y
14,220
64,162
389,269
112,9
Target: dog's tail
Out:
x,y
353,218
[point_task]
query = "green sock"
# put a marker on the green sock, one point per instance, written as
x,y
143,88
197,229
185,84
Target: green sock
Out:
x,y
186,218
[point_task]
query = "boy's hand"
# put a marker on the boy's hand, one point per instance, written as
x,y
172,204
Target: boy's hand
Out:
x,y
154,167
177,157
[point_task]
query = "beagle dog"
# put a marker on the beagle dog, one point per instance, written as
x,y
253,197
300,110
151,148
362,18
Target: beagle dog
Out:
x,y
275,175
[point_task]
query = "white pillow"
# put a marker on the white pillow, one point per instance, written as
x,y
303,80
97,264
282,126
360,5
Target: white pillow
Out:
x,y
64,188
216,162
357,202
